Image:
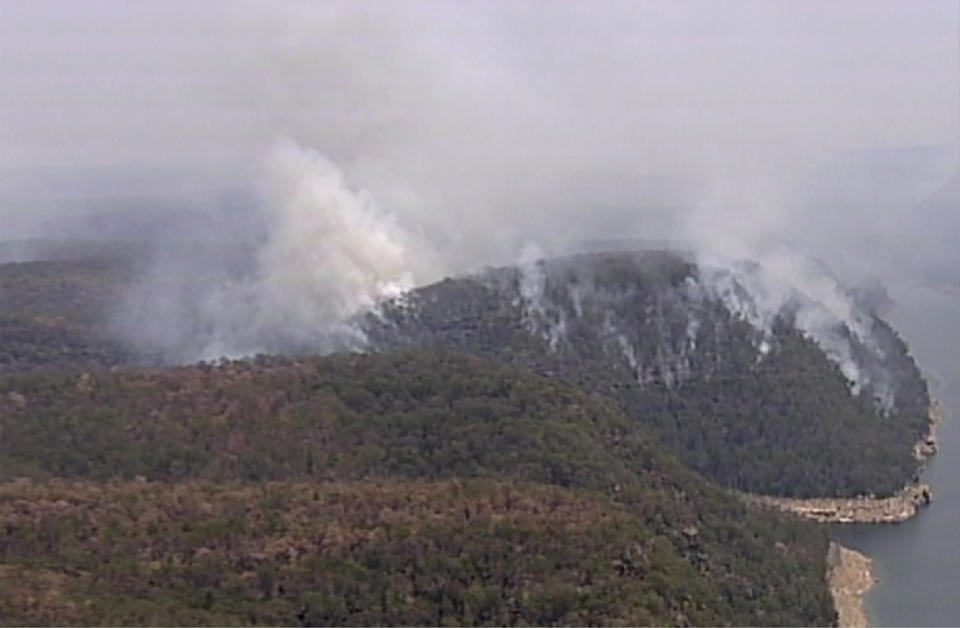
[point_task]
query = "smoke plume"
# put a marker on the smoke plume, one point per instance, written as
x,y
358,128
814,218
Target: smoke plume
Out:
x,y
435,138
329,252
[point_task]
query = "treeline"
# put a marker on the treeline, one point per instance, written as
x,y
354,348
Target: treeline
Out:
x,y
406,487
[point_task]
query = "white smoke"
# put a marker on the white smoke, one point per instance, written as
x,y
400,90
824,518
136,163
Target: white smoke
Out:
x,y
329,252
540,314
744,261
533,278
783,282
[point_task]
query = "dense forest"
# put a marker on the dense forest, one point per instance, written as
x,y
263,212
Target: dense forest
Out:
x,y
640,329
408,487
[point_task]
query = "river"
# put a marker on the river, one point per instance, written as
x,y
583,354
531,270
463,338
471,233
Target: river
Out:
x,y
918,562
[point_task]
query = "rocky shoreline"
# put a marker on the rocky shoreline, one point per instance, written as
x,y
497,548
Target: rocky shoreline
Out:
x,y
900,507
850,577
850,573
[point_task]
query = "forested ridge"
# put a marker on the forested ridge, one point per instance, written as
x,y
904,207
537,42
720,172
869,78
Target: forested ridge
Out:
x,y
617,325
409,487
635,328
56,313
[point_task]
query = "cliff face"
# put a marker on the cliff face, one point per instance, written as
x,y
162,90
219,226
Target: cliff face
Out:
x,y
761,410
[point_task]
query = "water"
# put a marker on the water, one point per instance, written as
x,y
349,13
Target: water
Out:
x,y
918,561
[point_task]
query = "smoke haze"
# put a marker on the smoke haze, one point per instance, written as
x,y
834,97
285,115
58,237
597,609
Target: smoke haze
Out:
x,y
364,149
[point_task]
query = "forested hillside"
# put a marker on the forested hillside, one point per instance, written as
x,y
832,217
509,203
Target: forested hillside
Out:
x,y
115,303
762,414
411,487
56,313
640,329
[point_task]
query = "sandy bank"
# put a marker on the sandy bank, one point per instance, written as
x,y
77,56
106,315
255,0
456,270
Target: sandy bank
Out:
x,y
850,576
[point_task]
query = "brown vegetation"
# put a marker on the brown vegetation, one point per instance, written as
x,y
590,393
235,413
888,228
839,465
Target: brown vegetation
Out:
x,y
193,495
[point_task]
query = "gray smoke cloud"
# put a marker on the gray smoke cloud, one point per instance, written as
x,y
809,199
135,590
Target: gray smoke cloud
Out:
x,y
379,146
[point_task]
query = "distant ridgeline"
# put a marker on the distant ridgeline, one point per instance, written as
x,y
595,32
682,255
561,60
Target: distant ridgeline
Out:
x,y
764,406
59,300
55,313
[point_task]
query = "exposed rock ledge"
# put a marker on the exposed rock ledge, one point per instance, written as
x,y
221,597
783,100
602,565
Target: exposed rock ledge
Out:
x,y
900,507
850,576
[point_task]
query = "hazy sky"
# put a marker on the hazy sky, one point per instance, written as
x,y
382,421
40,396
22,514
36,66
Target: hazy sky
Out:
x,y
659,85
452,112
396,142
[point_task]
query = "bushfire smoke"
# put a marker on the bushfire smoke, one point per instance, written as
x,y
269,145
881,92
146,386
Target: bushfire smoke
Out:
x,y
392,145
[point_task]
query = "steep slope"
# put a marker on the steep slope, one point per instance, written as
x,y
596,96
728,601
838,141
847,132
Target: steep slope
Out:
x,y
398,488
679,349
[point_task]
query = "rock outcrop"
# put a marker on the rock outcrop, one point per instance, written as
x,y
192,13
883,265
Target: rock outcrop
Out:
x,y
864,509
